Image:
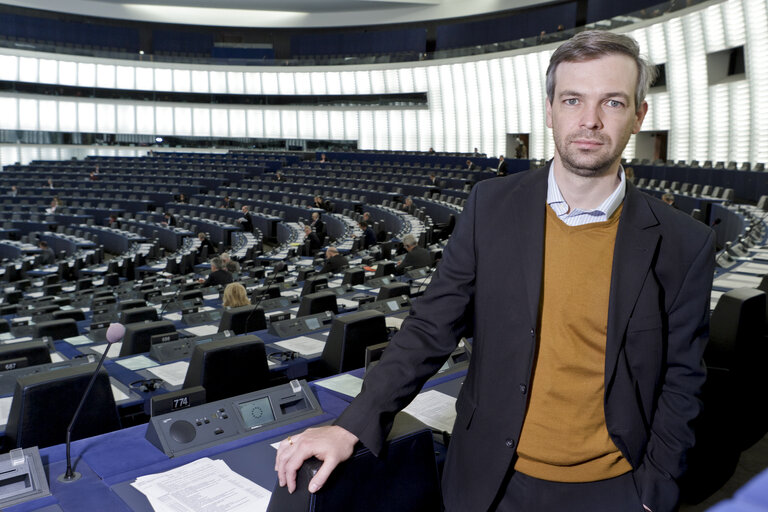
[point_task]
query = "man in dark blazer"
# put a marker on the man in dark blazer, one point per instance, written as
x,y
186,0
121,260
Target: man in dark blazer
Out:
x,y
334,262
415,257
246,221
501,170
647,361
219,275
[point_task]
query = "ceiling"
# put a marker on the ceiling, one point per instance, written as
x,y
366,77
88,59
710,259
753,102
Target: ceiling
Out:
x,y
276,13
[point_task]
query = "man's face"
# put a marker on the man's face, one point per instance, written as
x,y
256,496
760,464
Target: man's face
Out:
x,y
315,215
593,113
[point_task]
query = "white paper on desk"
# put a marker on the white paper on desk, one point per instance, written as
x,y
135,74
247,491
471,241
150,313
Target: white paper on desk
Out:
x,y
346,303
57,358
118,394
203,330
334,283
18,340
204,485
173,317
6,336
211,296
5,409
173,373
393,321
303,345
79,340
346,384
294,310
434,408
35,295
290,293
137,362
113,352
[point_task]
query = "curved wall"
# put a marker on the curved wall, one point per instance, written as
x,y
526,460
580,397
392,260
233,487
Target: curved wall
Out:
x,y
472,102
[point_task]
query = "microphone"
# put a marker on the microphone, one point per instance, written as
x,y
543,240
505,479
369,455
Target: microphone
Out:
x,y
115,333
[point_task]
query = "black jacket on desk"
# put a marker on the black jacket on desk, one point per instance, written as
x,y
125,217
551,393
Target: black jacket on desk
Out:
x,y
417,257
491,273
218,277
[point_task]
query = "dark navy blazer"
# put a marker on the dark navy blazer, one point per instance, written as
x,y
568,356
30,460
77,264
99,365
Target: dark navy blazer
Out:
x,y
490,281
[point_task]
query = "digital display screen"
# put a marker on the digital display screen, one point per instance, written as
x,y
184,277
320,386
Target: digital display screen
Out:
x,y
313,323
393,305
256,413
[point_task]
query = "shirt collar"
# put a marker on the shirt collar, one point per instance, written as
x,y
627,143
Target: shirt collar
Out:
x,y
557,202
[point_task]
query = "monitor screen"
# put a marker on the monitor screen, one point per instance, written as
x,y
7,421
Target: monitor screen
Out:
x,y
313,323
256,413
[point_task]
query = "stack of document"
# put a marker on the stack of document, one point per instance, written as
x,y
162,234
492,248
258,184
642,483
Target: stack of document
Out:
x,y
204,485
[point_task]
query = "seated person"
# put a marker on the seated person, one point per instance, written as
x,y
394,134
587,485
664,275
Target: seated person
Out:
x,y
334,262
232,267
235,296
170,220
408,206
218,275
46,256
183,199
369,237
416,257
227,202
113,222
322,204
204,242
312,240
317,225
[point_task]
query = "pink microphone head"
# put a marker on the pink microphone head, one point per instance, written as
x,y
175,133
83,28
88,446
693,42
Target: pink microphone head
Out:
x,y
115,333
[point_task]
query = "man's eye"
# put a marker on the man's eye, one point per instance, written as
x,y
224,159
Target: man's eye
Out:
x,y
571,101
614,103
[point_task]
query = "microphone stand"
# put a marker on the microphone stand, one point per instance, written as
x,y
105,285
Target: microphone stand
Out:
x,y
70,475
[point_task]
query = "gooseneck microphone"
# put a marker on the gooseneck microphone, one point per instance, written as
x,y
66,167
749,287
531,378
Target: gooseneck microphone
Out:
x,y
115,333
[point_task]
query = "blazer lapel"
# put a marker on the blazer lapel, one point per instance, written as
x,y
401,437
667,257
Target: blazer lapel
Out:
x,y
632,256
528,216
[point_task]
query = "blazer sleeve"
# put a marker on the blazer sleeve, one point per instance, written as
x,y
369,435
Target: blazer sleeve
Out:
x,y
429,334
678,403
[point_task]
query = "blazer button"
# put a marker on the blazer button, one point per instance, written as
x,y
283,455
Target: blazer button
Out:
x,y
523,388
533,332
510,443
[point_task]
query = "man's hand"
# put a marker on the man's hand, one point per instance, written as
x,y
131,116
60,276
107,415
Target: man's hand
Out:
x,y
331,445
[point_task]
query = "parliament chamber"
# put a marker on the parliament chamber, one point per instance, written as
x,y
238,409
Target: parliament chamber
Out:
x,y
150,172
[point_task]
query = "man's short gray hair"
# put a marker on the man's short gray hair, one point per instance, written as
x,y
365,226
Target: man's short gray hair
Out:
x,y
592,44
409,240
216,262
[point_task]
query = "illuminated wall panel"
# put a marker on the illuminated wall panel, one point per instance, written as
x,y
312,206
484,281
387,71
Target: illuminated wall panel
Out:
x,y
105,76
9,67
199,81
235,82
49,115
10,118
164,120
86,117
182,121
86,74
255,123
106,119
28,69
199,124
220,122
217,79
49,71
28,114
237,123
306,127
182,81
145,120
126,119
126,77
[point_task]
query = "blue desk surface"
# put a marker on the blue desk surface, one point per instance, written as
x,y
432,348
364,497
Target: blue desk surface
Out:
x,y
120,457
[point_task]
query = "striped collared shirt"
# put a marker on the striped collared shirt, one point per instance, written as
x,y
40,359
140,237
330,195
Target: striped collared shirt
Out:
x,y
577,216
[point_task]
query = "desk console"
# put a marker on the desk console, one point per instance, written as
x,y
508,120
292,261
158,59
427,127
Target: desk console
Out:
x,y
193,429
